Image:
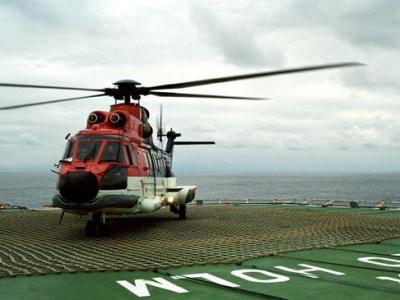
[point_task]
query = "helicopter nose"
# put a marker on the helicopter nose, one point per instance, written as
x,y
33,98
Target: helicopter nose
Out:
x,y
78,187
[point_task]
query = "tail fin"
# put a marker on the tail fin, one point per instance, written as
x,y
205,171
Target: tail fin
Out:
x,y
172,135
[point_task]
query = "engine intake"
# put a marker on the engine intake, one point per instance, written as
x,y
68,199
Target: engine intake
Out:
x,y
117,119
95,118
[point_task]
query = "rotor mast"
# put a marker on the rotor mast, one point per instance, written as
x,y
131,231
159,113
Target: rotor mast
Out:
x,y
126,89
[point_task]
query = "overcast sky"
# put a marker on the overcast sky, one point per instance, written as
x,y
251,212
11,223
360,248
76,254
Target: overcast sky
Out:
x,y
336,120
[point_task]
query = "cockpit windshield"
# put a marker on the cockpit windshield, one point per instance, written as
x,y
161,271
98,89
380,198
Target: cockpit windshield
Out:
x,y
111,152
87,150
90,147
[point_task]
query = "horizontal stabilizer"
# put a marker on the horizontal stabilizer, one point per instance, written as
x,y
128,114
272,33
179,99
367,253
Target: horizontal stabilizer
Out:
x,y
195,143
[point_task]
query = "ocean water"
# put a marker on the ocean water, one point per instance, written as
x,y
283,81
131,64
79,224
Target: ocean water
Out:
x,y
37,189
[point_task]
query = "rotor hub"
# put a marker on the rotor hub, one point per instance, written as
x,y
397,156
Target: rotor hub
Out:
x,y
127,82
126,89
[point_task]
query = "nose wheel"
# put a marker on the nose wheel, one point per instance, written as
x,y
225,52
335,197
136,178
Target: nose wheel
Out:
x,y
98,227
180,210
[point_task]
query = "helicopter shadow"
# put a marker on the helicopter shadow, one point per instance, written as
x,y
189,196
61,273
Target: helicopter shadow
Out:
x,y
143,227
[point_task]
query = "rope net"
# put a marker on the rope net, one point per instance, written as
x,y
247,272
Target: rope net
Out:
x,y
32,242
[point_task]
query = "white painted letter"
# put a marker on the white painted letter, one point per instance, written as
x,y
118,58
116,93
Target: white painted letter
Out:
x,y
139,288
381,261
275,277
208,277
310,268
389,278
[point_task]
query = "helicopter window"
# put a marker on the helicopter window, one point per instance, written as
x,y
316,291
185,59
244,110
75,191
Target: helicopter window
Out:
x,y
162,164
133,156
87,150
68,150
146,161
123,157
128,155
155,160
111,152
150,164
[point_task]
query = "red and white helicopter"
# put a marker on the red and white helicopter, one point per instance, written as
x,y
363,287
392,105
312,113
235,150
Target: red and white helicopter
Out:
x,y
112,167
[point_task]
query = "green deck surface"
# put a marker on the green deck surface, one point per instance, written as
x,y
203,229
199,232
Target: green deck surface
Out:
x,y
331,209
359,280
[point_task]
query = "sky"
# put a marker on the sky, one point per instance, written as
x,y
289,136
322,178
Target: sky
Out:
x,y
342,120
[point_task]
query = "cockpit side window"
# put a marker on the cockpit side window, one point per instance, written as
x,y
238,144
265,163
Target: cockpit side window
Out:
x,y
133,155
87,150
112,152
69,149
128,155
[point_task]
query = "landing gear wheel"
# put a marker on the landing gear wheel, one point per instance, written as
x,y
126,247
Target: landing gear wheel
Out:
x,y
173,209
91,228
182,212
103,229
97,229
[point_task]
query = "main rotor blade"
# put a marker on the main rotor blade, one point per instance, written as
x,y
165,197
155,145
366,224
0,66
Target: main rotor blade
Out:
x,y
184,95
253,75
161,120
48,102
195,143
49,87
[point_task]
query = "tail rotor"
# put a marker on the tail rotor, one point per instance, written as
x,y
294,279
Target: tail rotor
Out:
x,y
160,131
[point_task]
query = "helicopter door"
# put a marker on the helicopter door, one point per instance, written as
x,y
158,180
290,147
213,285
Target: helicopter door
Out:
x,y
158,170
150,181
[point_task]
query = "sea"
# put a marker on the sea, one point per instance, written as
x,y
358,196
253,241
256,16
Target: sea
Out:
x,y
36,189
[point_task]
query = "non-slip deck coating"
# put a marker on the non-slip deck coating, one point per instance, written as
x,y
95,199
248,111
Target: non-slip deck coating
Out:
x,y
32,242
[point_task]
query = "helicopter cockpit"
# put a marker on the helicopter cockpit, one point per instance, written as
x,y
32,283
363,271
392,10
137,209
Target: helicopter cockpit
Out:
x,y
104,156
94,148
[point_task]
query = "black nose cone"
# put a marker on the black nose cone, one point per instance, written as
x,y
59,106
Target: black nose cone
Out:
x,y
78,187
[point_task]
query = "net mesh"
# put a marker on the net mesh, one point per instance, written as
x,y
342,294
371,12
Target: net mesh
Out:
x,y
32,242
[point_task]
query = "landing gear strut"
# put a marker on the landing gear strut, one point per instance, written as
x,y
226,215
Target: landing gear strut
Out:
x,y
182,212
98,226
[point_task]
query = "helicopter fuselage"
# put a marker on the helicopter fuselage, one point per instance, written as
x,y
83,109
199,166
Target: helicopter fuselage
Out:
x,y
113,168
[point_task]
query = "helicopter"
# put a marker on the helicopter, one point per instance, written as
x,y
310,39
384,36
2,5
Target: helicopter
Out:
x,y
112,167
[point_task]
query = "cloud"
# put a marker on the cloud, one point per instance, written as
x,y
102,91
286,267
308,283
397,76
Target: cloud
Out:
x,y
364,31
234,40
379,76
371,23
25,139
